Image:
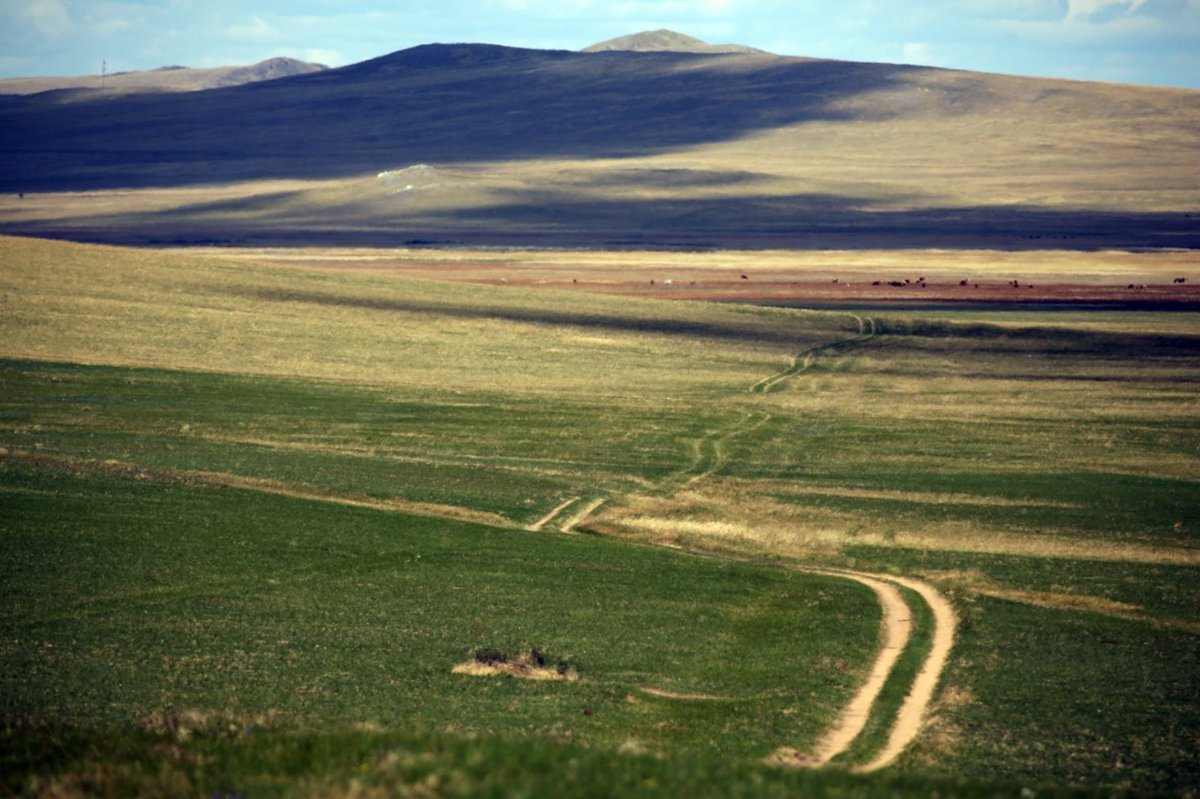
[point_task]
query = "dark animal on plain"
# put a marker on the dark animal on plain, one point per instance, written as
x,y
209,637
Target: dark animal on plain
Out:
x,y
1179,280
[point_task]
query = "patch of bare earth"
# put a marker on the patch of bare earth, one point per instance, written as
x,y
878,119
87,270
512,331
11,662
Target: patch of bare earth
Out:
x,y
528,665
663,694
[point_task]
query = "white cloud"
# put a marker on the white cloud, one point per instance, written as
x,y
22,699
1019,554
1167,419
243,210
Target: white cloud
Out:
x,y
625,8
916,53
327,56
49,17
111,26
1016,9
258,29
1105,11
1117,25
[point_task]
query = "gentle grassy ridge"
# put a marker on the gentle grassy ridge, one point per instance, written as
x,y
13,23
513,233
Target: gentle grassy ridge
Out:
x,y
230,756
158,310
513,455
1115,699
124,597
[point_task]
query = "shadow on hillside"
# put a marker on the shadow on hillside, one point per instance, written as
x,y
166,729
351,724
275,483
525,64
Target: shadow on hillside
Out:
x,y
436,103
804,221
761,331
553,219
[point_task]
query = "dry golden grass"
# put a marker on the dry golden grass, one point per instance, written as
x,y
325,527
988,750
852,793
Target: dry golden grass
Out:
x,y
976,583
731,514
919,497
115,306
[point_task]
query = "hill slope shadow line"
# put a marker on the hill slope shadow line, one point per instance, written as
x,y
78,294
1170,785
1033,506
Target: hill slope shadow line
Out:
x,y
539,316
436,103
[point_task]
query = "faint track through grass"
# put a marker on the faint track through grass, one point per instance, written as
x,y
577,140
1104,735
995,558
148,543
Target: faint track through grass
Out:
x,y
542,522
587,510
266,486
710,453
805,359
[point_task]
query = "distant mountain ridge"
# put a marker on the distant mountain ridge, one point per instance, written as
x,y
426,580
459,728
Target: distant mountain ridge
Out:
x,y
168,78
664,40
674,148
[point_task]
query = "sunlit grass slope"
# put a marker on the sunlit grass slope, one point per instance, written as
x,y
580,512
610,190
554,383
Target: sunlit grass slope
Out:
x,y
98,305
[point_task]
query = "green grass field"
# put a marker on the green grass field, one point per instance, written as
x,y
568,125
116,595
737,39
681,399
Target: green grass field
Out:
x,y
253,516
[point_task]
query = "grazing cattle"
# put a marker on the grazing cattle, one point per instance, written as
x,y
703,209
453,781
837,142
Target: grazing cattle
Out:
x,y
877,283
1179,280
745,277
962,282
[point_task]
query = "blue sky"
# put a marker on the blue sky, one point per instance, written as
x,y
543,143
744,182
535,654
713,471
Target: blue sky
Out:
x,y
1135,41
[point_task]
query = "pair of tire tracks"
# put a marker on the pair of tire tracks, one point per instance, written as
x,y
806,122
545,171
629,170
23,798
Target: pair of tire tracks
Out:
x,y
710,452
569,523
897,631
896,623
